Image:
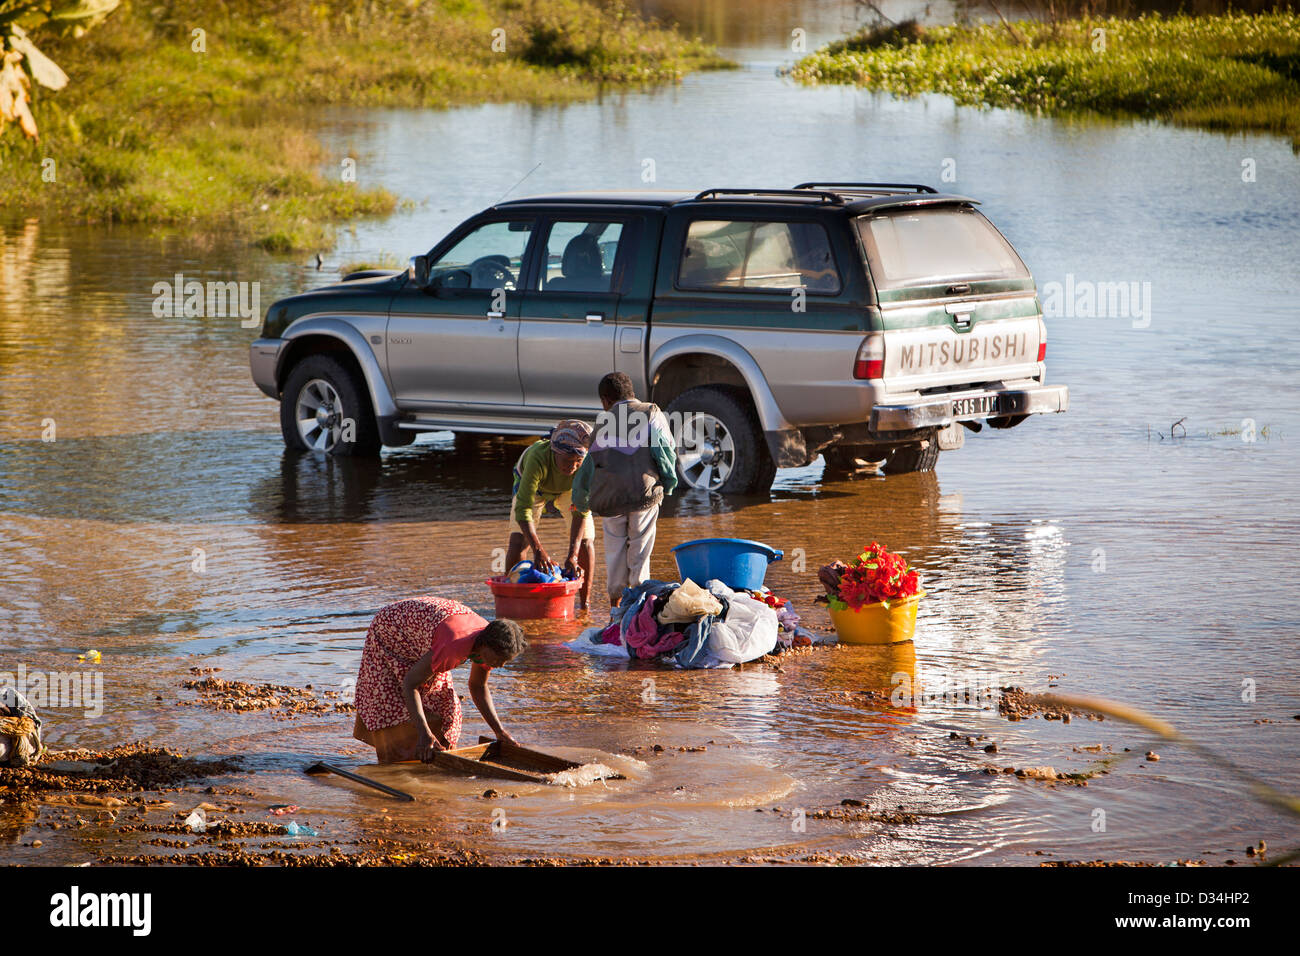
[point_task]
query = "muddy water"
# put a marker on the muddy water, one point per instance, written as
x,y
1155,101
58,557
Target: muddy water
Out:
x,y
1095,551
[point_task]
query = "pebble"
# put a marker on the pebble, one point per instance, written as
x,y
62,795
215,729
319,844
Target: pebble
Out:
x,y
850,802
991,749
490,794
1152,756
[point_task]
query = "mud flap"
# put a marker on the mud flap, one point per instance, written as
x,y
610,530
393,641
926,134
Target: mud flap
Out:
x,y
788,448
951,437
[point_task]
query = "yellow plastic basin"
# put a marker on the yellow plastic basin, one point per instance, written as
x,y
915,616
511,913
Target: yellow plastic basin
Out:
x,y
877,624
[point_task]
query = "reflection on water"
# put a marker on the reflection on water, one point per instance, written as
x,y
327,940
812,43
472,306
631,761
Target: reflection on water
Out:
x,y
166,526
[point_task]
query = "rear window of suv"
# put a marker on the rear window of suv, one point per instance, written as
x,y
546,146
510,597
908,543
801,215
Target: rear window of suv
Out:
x,y
918,247
726,255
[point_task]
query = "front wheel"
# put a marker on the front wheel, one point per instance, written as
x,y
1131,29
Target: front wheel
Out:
x,y
325,408
721,445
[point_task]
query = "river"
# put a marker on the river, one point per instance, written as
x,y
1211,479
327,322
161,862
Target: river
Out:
x,y
1103,551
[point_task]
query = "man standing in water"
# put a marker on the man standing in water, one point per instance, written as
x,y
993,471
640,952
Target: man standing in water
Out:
x,y
544,479
631,466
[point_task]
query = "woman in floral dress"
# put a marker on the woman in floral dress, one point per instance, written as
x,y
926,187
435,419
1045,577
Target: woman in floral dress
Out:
x,y
407,707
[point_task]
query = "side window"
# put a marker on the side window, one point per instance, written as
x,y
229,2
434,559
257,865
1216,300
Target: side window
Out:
x,y
580,256
490,257
776,256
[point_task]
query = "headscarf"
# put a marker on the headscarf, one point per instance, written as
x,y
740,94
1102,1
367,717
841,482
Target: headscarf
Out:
x,y
572,437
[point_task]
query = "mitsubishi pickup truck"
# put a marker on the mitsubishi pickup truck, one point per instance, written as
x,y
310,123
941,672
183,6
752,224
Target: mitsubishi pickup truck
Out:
x,y
870,323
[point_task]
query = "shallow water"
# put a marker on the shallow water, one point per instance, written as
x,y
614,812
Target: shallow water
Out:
x,y
1090,550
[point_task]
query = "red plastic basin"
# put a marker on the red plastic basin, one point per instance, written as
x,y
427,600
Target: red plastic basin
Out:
x,y
533,601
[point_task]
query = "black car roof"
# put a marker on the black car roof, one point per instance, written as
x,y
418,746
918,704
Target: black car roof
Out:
x,y
854,197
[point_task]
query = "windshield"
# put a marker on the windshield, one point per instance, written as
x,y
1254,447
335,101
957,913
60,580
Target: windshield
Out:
x,y
930,246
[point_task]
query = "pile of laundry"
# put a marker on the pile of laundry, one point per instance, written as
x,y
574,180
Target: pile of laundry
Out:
x,y
686,625
792,634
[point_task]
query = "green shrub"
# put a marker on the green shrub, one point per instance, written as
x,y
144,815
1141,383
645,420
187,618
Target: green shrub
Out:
x,y
1233,71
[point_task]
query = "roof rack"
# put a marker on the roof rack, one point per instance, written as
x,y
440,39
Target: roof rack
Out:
x,y
869,187
799,193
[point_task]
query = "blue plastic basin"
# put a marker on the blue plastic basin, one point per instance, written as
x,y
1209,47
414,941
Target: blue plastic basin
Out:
x,y
735,562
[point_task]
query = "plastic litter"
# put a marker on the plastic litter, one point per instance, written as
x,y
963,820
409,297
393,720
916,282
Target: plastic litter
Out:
x,y
92,657
747,632
293,828
687,604
197,821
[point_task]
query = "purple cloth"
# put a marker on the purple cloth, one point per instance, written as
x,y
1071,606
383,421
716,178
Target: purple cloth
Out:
x,y
642,635
610,635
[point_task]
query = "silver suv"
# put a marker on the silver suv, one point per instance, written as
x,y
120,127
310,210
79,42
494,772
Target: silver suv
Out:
x,y
868,322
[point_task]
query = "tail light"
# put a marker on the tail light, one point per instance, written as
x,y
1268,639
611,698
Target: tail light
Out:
x,y
870,362
1042,339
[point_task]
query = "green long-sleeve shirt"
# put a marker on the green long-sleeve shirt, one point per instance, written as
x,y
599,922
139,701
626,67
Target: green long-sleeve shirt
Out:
x,y
538,477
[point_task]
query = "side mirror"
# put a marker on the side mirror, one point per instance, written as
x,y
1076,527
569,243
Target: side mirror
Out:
x,y
420,271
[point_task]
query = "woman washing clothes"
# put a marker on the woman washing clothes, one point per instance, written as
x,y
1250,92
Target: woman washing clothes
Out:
x,y
407,707
543,479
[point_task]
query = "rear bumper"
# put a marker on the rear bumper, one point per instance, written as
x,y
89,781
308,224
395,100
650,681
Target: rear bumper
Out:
x,y
264,364
970,405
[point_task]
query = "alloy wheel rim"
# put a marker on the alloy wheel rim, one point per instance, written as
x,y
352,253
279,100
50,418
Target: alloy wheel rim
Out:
x,y
707,455
319,413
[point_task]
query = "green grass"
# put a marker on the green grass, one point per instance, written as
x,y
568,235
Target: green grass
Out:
x,y
150,131
1230,72
385,260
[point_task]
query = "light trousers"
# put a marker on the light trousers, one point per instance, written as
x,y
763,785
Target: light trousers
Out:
x,y
629,541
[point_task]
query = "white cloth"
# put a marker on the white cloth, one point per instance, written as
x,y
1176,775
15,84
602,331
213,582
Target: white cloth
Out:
x,y
629,541
747,633
584,645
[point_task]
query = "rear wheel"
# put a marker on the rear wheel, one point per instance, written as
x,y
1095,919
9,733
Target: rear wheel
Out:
x,y
918,456
325,408
721,445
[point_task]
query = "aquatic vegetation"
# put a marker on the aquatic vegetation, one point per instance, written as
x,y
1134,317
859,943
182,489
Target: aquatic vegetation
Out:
x,y
385,260
1231,72
1262,791
199,114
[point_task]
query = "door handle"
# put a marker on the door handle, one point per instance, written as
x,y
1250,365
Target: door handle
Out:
x,y
594,317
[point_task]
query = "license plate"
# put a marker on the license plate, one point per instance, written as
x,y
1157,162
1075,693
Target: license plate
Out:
x,y
977,405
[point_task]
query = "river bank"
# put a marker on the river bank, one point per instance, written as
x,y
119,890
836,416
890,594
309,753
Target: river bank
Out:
x,y
1231,72
137,804
199,115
